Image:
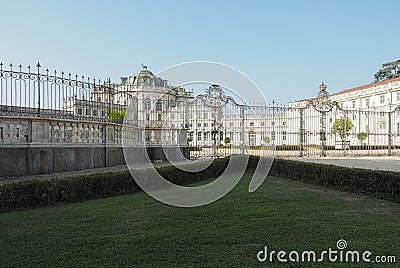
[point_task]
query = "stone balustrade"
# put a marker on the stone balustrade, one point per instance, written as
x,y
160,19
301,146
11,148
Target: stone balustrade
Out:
x,y
56,131
46,145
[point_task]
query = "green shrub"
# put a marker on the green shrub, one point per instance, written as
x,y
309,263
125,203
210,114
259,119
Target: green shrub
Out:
x,y
116,116
287,148
38,193
382,184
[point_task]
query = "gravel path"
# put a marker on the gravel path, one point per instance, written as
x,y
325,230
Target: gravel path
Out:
x,y
77,172
391,163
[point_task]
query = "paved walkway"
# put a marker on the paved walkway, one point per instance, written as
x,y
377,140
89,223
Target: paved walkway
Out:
x,y
78,172
391,163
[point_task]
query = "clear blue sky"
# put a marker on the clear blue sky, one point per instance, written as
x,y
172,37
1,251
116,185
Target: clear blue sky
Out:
x,y
286,47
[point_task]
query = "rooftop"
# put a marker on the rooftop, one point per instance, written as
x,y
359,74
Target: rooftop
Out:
x,y
374,84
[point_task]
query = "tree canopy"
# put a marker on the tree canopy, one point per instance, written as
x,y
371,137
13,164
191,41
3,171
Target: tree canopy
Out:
x,y
388,71
116,116
342,127
227,140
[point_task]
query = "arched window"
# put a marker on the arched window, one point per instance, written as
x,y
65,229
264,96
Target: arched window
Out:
x,y
252,138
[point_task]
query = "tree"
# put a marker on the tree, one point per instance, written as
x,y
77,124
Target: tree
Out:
x,y
227,140
342,127
362,136
116,116
388,71
267,140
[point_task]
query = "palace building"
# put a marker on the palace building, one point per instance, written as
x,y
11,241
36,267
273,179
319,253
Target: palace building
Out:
x,y
370,109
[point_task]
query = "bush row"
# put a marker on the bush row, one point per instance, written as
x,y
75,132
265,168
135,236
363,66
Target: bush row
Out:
x,y
382,184
38,193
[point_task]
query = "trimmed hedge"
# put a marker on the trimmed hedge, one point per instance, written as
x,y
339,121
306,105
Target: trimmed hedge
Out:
x,y
39,193
381,184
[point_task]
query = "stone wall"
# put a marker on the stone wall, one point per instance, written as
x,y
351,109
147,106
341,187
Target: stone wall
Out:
x,y
31,146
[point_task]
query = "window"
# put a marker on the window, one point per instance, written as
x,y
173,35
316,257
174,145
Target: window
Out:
x,y
262,123
87,112
205,125
94,112
199,136
159,105
273,123
353,104
159,117
231,124
398,96
213,134
147,104
198,124
382,99
284,135
103,113
206,136
367,102
1,133
330,120
252,124
273,135
283,123
147,117
79,111
205,115
354,118
181,116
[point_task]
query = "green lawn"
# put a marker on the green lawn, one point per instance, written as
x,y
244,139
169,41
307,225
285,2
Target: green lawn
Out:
x,y
135,230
